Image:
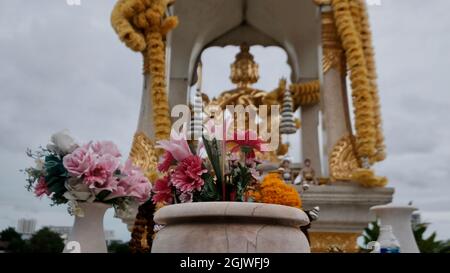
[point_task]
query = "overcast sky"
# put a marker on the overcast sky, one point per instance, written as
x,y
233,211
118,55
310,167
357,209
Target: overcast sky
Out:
x,y
63,67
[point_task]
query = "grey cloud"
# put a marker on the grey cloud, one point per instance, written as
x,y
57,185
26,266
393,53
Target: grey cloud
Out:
x,y
63,67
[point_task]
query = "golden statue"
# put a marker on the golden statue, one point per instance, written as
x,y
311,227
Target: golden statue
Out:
x,y
244,73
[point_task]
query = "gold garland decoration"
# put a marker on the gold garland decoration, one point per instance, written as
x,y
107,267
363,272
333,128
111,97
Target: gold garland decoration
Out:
x,y
362,89
143,26
367,178
306,93
366,37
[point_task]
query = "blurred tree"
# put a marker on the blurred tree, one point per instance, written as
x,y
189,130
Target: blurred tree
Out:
x,y
118,247
13,240
46,241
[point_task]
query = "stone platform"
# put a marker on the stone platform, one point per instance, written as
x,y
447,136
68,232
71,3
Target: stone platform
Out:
x,y
344,213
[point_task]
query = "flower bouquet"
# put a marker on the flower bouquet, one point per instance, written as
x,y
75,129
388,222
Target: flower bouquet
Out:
x,y
209,170
91,173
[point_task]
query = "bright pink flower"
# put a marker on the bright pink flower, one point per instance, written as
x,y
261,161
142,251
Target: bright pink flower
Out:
x,y
41,188
100,174
162,191
167,161
79,162
177,146
105,148
187,175
246,141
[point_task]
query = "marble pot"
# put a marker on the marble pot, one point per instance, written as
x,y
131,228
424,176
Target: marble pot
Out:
x,y
87,235
399,217
230,227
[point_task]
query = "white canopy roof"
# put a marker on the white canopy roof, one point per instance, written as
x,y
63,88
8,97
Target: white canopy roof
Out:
x,y
291,24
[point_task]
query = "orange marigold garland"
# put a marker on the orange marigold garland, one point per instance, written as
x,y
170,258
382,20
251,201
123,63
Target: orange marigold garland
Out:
x,y
273,190
143,25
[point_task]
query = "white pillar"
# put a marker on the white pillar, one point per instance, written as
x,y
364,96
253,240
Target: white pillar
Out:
x,y
310,136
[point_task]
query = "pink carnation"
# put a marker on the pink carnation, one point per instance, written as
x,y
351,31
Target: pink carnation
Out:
x,y
79,162
187,175
136,186
132,184
41,188
100,175
162,191
102,148
167,161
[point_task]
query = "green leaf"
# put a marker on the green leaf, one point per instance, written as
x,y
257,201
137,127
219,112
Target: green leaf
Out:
x,y
209,191
212,149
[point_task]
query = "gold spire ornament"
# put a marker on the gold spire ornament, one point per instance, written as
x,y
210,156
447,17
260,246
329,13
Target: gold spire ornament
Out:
x,y
244,71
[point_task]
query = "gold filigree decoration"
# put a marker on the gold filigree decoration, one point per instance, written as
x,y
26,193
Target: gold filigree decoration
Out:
x,y
244,71
322,242
343,161
144,154
333,54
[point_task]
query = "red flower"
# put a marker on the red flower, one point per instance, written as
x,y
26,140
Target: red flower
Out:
x,y
246,141
41,188
188,174
162,191
167,161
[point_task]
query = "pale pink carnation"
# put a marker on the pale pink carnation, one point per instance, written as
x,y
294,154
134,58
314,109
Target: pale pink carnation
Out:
x,y
79,161
187,175
135,186
41,188
162,191
99,175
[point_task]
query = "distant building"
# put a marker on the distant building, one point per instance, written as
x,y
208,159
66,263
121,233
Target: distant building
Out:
x,y
26,227
64,232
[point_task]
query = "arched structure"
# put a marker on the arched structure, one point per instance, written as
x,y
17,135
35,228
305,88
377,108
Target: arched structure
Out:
x,y
324,40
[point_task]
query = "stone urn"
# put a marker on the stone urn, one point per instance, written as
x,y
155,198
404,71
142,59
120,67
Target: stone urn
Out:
x,y
87,235
230,227
399,217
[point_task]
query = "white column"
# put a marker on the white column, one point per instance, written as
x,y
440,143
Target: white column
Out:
x,y
310,136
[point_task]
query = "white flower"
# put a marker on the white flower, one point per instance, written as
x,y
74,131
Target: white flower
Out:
x,y
62,143
78,191
74,209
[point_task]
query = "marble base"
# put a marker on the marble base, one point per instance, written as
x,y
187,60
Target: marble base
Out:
x,y
344,212
230,227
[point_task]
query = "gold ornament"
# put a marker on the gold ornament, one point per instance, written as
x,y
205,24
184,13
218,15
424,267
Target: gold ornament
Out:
x,y
244,71
143,26
322,242
343,161
144,155
333,53
305,94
